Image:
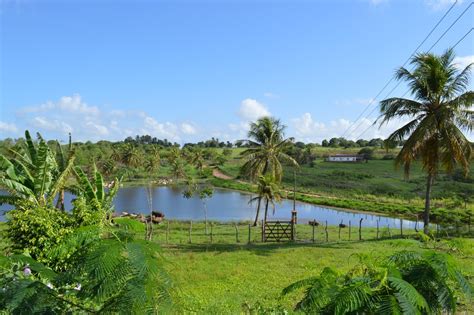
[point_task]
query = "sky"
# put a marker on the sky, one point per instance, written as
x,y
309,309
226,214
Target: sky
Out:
x,y
191,70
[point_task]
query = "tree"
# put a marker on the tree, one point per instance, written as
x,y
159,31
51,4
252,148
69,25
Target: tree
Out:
x,y
406,282
438,114
94,194
325,143
131,156
197,159
32,174
177,168
266,151
203,192
268,191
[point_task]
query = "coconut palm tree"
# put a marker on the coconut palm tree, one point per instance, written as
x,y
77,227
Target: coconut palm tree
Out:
x,y
131,156
177,168
197,159
33,174
266,151
268,191
438,114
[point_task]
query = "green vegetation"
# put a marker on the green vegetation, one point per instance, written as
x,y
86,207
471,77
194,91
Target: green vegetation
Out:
x,y
438,116
71,262
407,282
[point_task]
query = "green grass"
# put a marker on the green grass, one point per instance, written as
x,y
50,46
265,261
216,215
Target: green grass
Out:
x,y
221,277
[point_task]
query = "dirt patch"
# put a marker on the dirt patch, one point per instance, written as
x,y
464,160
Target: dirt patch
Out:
x,y
217,173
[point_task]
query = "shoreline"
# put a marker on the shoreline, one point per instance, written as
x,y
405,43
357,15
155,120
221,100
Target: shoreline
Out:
x,y
249,192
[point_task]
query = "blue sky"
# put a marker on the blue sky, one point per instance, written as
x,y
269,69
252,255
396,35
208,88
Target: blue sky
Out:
x,y
191,70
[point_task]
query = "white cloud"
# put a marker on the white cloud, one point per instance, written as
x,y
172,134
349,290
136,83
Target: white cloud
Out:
x,y
7,127
251,110
463,62
160,130
188,129
44,123
309,130
441,4
70,104
71,114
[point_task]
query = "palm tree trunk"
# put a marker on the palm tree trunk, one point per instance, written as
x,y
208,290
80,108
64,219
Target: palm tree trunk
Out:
x,y
426,213
60,202
266,212
205,216
258,212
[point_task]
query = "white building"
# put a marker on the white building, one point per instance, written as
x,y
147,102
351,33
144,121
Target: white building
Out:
x,y
345,158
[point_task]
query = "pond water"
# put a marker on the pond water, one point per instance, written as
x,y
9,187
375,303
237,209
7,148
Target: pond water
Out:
x,y
228,205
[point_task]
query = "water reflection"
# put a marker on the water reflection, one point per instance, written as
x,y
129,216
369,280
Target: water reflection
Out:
x,y
228,205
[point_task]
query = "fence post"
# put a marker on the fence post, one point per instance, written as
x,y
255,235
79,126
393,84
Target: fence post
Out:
x,y
167,231
401,227
340,226
378,220
212,224
263,231
190,229
326,230
237,233
389,233
350,232
360,229
313,231
249,233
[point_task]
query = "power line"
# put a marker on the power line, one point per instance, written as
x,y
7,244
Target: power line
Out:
x,y
408,59
404,94
432,46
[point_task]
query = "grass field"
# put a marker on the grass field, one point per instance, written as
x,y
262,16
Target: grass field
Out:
x,y
226,277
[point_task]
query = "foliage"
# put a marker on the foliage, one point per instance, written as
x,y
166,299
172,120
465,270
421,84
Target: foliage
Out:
x,y
33,174
112,275
268,191
439,113
37,229
408,283
266,151
94,202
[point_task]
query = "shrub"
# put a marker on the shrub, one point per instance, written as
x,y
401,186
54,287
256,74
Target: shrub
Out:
x,y
37,230
388,157
368,153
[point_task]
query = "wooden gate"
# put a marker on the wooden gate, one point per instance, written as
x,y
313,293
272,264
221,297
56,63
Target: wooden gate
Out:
x,y
278,231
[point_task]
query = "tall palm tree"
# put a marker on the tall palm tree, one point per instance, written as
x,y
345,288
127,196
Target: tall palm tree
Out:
x,y
439,113
131,156
268,191
266,151
197,159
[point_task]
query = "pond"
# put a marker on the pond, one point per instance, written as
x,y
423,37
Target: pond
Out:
x,y
228,205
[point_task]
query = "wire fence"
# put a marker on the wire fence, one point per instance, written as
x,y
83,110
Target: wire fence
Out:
x,y
194,232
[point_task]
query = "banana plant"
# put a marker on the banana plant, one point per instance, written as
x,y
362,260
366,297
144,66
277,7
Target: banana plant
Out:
x,y
32,173
95,191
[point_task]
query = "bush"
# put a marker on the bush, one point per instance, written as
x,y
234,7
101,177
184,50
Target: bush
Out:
x,y
368,153
37,230
388,157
